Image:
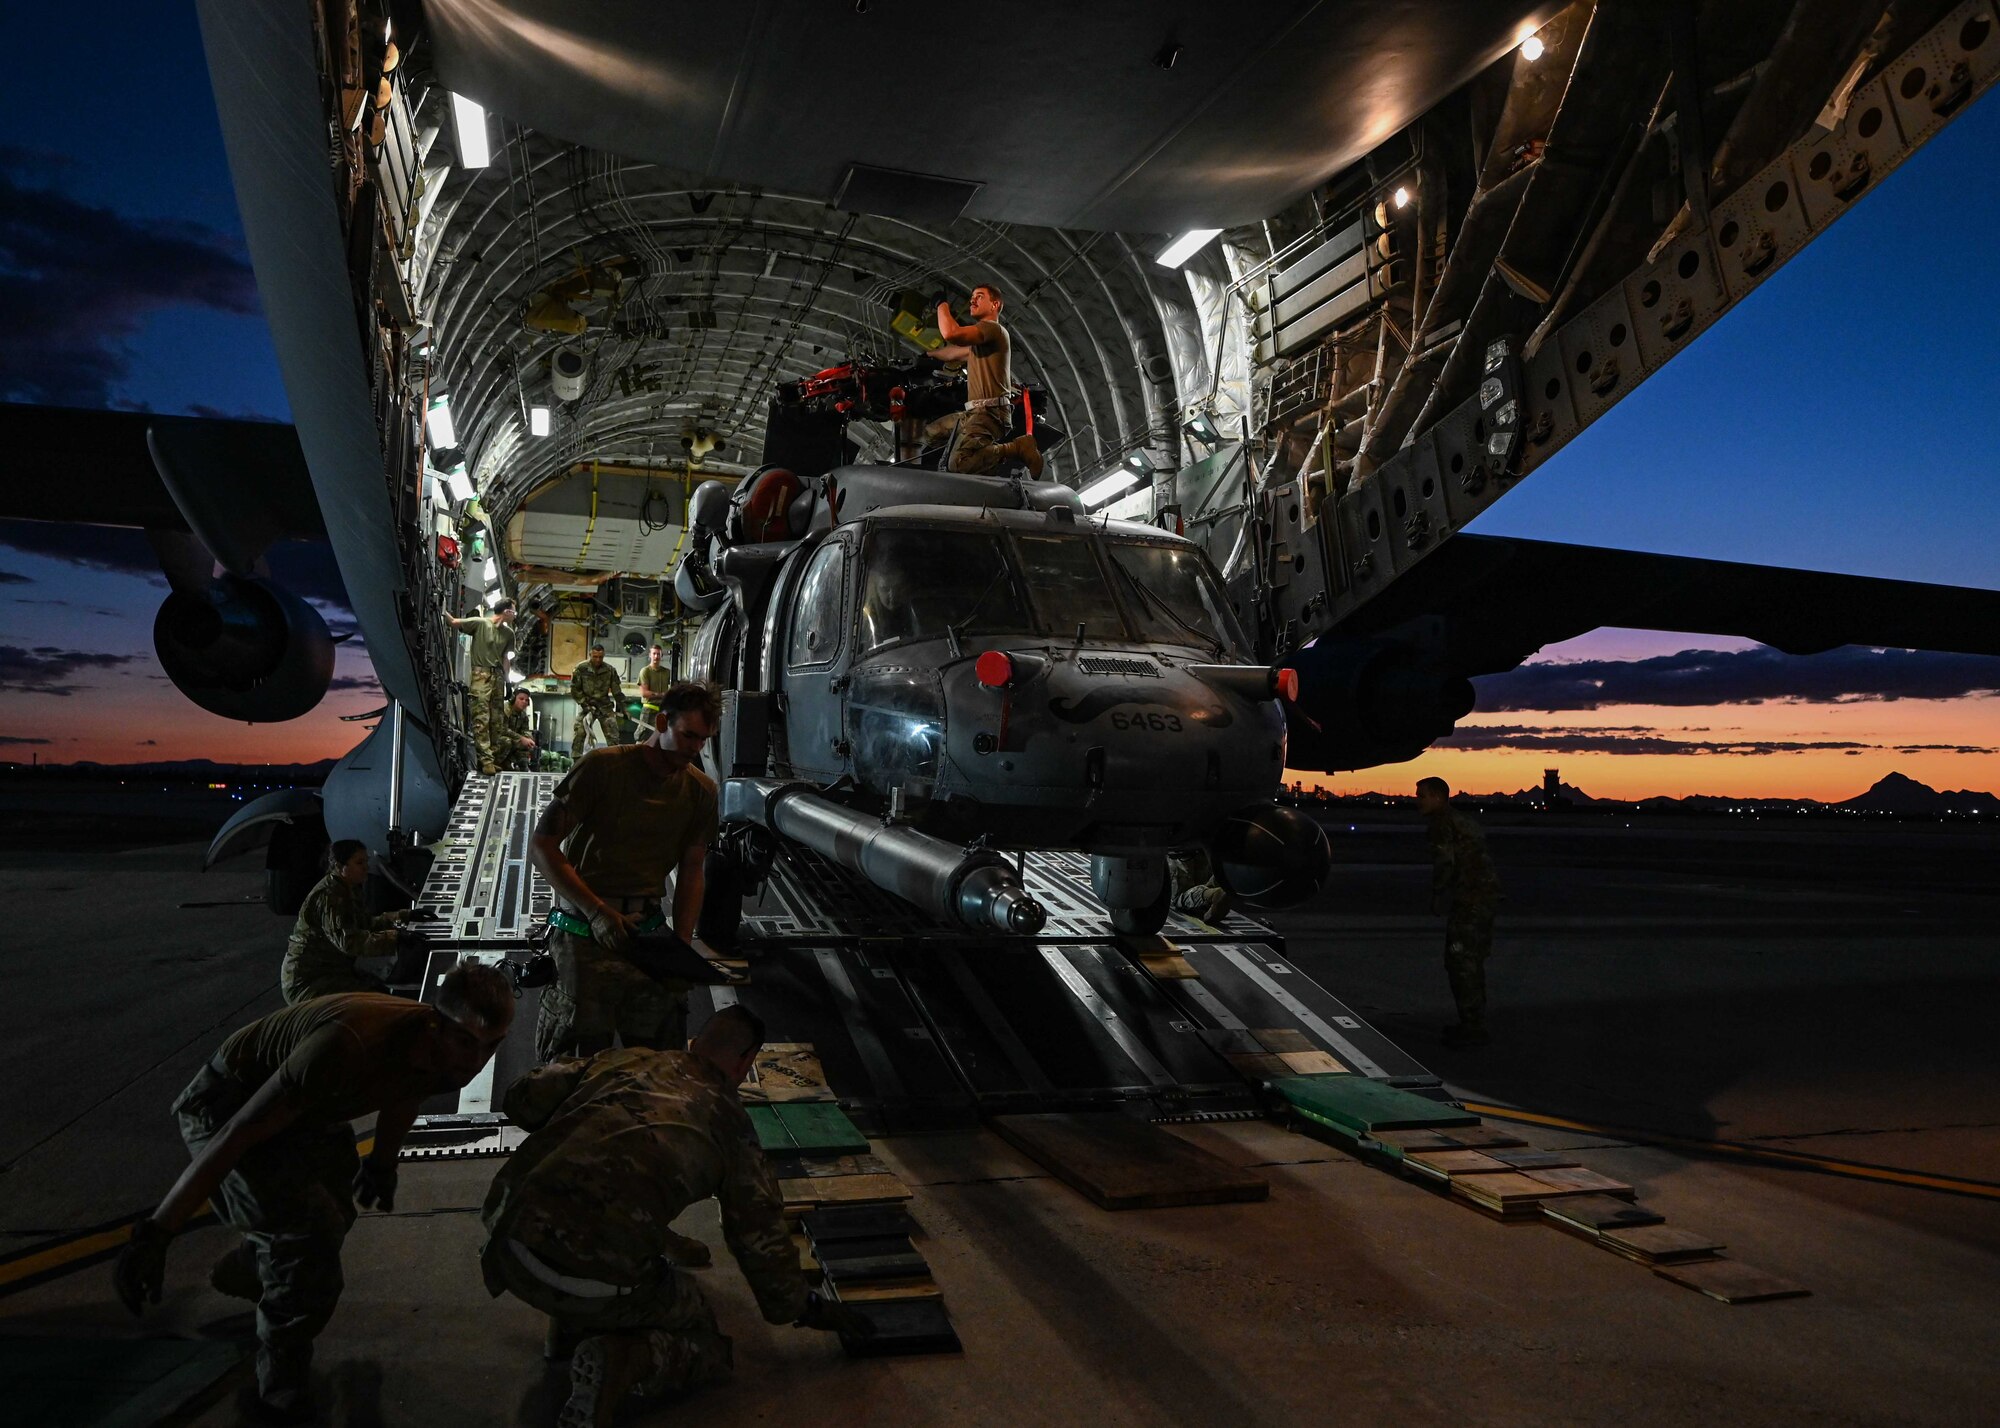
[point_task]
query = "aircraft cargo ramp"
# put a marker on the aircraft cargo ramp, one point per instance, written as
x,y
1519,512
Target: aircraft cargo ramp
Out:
x,y
924,1027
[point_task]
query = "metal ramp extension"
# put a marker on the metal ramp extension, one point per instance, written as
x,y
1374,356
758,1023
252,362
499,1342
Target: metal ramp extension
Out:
x,y
920,1026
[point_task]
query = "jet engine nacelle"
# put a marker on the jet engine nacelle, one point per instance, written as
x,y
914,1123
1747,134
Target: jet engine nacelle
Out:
x,y
1368,702
245,649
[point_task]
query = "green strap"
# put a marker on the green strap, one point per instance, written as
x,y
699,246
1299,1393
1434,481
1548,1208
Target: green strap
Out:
x,y
563,920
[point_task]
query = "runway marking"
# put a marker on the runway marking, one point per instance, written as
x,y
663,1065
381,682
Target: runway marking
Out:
x,y
1827,1165
38,1264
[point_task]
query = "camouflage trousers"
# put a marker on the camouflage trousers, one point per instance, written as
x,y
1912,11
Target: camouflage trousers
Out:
x,y
670,1319
975,446
292,1197
606,719
1468,938
598,995
487,733
327,983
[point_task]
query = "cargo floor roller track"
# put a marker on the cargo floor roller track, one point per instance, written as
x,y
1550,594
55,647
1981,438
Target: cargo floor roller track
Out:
x,y
921,1026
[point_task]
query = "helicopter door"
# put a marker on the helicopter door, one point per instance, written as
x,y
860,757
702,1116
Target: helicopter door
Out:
x,y
814,648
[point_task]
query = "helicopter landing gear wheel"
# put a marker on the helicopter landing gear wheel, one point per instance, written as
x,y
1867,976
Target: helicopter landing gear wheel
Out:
x,y
1136,889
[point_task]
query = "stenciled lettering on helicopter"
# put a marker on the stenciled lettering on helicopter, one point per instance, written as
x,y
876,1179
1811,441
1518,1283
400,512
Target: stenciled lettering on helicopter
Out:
x,y
1100,701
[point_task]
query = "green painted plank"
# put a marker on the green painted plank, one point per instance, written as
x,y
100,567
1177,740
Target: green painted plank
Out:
x,y
820,1128
772,1137
1355,1103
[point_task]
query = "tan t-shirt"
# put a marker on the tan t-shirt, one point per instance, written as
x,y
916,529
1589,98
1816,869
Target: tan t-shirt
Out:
x,y
632,824
986,373
490,642
341,1057
654,680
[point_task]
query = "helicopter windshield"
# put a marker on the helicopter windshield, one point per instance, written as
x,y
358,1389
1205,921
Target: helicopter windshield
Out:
x,y
1069,586
1175,596
922,582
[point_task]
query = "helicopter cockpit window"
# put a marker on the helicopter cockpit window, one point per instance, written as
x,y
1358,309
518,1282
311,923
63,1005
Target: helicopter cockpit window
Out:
x,y
923,582
821,608
1172,596
1069,585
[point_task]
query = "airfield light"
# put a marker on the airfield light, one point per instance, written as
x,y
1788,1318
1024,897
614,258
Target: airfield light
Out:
x,y
1531,48
538,421
1176,253
1104,488
459,483
438,419
1401,197
469,121
994,669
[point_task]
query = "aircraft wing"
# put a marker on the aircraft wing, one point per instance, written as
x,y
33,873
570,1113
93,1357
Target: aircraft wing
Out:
x,y
1501,599
46,449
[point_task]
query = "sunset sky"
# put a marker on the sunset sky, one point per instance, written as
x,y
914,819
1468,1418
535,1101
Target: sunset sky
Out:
x,y
1840,419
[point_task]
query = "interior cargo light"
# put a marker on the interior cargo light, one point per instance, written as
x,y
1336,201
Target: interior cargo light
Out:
x,y
438,419
538,421
1401,197
1201,427
459,483
495,596
1104,488
469,122
490,571
1185,247
1531,48
994,668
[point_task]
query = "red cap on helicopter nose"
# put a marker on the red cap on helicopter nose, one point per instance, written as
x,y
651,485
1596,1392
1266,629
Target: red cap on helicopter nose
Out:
x,y
1287,683
994,669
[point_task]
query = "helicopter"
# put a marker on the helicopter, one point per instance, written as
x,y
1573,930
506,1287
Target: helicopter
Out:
x,y
926,671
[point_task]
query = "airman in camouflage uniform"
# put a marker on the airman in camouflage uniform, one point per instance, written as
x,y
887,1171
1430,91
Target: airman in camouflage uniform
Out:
x,y
595,687
1465,889
619,823
517,734
267,1122
334,930
619,1145
492,638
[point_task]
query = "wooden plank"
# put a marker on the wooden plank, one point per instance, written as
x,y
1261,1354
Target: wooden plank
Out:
x,y
1123,1164
1731,1281
918,1287
1594,1214
1360,1104
771,1133
786,1071
1282,1040
1450,1163
1531,1159
1507,1191
857,1222
1259,1067
1405,1141
1660,1244
1169,966
842,1190
903,1326
1311,1063
1482,1137
1575,1180
818,1127
888,1266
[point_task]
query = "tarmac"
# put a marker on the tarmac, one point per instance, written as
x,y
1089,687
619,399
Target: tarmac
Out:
x,y
1690,990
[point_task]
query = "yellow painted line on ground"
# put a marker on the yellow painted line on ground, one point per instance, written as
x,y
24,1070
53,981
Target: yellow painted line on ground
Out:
x,y
1851,1169
93,1243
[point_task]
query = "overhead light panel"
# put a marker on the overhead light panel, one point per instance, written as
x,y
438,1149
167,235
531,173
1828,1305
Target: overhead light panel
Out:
x,y
469,121
1108,487
459,484
1176,253
495,596
438,419
538,421
1201,426
490,572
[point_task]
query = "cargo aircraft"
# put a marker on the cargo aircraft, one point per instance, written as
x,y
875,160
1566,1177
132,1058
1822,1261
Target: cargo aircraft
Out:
x,y
626,312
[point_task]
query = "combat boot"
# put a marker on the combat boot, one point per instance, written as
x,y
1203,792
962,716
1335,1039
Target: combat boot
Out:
x,y
235,1274
284,1384
1024,449
602,1373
